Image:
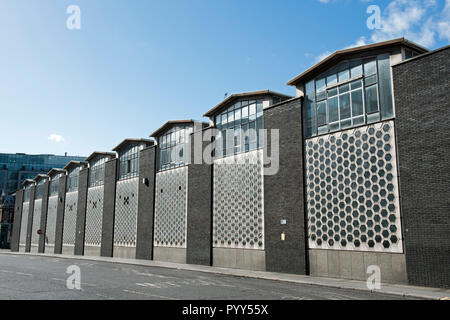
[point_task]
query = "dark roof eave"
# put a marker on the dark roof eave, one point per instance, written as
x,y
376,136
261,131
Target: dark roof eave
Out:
x,y
342,53
213,111
169,124
131,140
101,153
75,164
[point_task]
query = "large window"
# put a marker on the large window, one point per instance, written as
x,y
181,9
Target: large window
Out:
x,y
39,189
129,162
26,194
97,172
347,96
239,128
54,185
72,180
174,147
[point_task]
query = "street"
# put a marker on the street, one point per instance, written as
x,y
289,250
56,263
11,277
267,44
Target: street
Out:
x,y
37,277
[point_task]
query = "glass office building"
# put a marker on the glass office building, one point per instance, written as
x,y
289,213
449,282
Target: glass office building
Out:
x,y
16,168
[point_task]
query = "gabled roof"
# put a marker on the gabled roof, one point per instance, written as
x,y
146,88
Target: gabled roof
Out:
x,y
131,140
55,171
27,182
72,164
341,54
236,96
100,153
40,177
171,123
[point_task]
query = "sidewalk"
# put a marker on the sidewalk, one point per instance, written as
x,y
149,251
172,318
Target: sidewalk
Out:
x,y
394,289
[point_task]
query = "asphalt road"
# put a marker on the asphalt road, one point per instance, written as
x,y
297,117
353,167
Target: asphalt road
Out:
x,y
35,277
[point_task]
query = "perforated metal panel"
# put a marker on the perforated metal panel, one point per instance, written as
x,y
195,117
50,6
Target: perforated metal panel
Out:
x,y
94,216
171,208
238,212
51,220
352,190
70,218
125,223
24,225
36,221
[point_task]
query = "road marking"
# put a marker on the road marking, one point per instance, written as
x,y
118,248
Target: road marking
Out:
x,y
24,274
82,283
6,271
148,294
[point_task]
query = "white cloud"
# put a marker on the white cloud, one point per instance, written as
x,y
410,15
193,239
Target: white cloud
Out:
x,y
56,138
416,20
444,24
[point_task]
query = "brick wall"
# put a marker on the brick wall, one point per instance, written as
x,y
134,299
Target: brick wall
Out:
x,y
421,88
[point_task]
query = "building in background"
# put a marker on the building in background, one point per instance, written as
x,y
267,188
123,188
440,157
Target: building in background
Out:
x,y
15,168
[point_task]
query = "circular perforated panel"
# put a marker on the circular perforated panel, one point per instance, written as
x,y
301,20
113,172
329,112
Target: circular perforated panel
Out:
x,y
352,192
171,208
238,217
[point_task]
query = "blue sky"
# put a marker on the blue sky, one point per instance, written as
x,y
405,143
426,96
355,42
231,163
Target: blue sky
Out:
x,y
134,65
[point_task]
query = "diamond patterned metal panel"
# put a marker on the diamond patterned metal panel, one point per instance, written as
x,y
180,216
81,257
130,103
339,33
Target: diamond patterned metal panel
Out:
x,y
171,208
70,218
352,190
51,220
94,216
238,211
23,227
125,225
36,221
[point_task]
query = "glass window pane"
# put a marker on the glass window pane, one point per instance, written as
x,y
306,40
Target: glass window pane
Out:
x,y
332,92
343,76
356,71
356,84
252,109
322,113
333,109
371,99
237,114
331,80
370,68
259,106
344,104
357,103
344,88
370,80
320,85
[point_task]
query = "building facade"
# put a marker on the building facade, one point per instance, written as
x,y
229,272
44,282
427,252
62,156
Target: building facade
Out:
x,y
347,176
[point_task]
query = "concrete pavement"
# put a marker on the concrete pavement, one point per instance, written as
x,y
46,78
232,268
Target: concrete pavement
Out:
x,y
297,286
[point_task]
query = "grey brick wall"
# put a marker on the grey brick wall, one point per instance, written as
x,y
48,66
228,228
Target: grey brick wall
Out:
x,y
83,184
15,237
146,203
283,192
421,88
199,210
43,223
108,208
30,219
60,214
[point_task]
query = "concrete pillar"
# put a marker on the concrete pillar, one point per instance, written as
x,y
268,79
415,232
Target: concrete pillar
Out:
x,y
284,192
199,204
30,219
60,214
109,200
83,184
15,238
146,203
44,210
